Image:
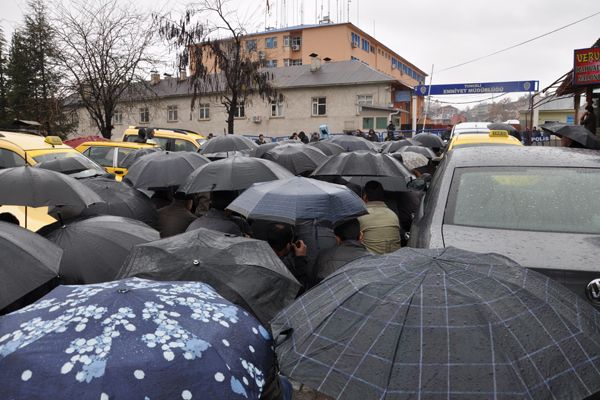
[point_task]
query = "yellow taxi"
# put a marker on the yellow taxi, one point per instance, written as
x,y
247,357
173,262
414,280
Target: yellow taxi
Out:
x,y
19,149
493,138
110,154
168,139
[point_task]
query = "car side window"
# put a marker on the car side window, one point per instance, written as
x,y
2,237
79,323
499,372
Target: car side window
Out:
x,y
162,142
183,145
121,153
10,159
102,155
129,138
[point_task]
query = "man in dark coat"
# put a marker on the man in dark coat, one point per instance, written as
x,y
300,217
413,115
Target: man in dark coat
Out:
x,y
349,248
176,217
217,219
291,252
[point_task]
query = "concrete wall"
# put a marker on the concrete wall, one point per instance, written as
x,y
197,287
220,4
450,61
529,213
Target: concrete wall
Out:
x,y
343,113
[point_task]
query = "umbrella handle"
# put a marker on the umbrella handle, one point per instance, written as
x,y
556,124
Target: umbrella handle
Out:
x,y
283,336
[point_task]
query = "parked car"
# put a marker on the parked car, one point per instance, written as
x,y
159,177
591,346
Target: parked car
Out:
x,y
538,206
168,139
19,149
110,154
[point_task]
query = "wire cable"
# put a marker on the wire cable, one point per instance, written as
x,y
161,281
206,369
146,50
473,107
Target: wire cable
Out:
x,y
519,44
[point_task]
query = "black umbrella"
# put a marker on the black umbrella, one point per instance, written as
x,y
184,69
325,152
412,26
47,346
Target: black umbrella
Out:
x,y
391,147
164,169
444,322
362,163
262,149
226,154
577,133
37,187
27,262
234,173
417,149
244,271
328,147
133,156
69,165
429,140
94,249
352,143
227,143
296,158
121,200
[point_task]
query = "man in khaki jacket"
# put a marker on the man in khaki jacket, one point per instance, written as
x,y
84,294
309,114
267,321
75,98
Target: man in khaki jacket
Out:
x,y
380,227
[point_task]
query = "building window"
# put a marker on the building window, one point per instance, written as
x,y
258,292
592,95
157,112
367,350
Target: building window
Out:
x,y
204,111
319,106
367,123
355,40
117,117
240,111
271,64
296,42
277,108
286,41
251,45
144,115
288,62
365,45
271,42
365,99
381,123
172,114
373,49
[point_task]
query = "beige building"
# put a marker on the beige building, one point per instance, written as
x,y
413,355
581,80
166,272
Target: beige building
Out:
x,y
560,109
345,96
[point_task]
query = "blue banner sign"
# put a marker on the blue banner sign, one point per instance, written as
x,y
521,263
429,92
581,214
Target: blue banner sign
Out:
x,y
478,88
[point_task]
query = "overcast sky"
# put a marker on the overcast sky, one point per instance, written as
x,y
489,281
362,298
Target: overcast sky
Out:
x,y
439,32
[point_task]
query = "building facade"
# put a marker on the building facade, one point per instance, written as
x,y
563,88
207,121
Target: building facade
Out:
x,y
345,96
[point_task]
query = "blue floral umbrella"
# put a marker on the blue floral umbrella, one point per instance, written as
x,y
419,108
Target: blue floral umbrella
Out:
x,y
133,339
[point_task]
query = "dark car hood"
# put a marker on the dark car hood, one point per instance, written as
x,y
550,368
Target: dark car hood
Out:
x,y
538,250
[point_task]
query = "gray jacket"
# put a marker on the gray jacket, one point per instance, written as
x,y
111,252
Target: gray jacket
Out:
x,y
330,260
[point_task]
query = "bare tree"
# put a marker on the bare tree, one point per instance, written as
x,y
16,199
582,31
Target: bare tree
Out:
x,y
222,62
103,49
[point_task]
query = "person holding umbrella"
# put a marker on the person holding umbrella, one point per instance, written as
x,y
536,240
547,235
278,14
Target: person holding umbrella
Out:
x,y
218,219
381,227
589,118
261,140
291,252
176,217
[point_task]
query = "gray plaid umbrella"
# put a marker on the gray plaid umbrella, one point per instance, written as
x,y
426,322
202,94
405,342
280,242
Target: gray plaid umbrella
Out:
x,y
296,158
296,199
328,147
244,271
27,262
441,323
227,143
233,173
163,169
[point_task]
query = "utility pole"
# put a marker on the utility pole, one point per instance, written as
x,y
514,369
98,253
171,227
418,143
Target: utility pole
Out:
x,y
428,99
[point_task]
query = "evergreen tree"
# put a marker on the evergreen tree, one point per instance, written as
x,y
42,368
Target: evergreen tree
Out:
x,y
4,117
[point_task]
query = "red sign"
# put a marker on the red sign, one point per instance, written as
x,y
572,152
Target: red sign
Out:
x,y
587,66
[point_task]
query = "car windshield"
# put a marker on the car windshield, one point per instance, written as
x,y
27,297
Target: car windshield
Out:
x,y
546,199
55,155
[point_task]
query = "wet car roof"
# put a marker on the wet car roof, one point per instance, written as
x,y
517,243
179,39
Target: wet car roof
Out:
x,y
523,156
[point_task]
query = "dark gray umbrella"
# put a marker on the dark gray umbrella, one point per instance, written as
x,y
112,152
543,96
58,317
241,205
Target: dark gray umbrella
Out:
x,y
37,187
226,154
69,165
27,261
425,151
394,146
164,169
444,322
244,271
94,249
262,149
227,143
296,158
577,133
429,140
353,143
328,147
362,163
133,156
295,199
120,200
233,173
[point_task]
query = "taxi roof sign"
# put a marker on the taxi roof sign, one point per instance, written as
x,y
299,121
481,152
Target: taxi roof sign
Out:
x,y
498,133
53,140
